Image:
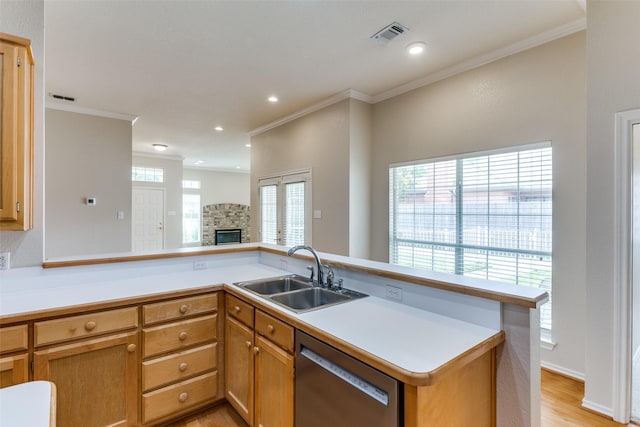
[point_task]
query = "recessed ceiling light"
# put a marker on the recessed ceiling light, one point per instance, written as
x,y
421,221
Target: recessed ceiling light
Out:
x,y
219,128
237,167
247,145
416,48
199,162
272,98
160,147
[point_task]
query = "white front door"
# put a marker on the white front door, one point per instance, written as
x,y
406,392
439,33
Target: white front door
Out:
x,y
148,219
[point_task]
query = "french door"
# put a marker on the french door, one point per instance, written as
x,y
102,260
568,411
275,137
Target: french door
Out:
x,y
285,209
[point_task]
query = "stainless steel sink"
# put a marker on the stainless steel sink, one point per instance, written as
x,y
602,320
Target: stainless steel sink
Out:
x,y
298,294
277,285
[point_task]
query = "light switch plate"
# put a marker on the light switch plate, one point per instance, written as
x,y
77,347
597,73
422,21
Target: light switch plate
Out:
x,y
5,260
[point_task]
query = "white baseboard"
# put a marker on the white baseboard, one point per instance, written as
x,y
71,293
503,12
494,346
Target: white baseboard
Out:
x,y
564,371
604,410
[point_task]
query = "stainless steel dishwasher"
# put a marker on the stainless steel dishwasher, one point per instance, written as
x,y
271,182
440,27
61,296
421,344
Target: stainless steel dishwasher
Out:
x,y
334,390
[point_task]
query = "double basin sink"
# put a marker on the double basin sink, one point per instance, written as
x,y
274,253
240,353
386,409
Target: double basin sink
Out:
x,y
297,293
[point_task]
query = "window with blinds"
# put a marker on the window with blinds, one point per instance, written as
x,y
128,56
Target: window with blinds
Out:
x,y
486,215
285,209
268,214
190,218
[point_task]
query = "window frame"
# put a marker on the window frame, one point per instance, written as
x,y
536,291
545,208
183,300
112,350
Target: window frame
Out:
x,y
458,244
280,181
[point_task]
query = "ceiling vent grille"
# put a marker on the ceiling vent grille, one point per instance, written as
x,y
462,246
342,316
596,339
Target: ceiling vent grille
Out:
x,y
389,33
59,97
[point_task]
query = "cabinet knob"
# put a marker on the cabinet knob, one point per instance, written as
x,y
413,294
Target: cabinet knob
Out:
x,y
271,328
184,308
248,343
183,397
90,325
131,348
236,309
183,366
182,336
256,350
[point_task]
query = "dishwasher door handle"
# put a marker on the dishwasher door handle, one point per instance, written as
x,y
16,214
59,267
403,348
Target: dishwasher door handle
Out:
x,y
349,377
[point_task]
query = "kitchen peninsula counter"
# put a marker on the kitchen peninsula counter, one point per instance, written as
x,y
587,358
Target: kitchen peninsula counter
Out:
x,y
443,322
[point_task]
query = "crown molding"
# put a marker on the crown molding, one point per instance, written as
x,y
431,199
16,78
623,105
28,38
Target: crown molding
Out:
x,y
341,96
90,111
521,46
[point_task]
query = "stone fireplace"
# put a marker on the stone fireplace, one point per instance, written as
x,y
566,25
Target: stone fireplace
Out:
x,y
227,219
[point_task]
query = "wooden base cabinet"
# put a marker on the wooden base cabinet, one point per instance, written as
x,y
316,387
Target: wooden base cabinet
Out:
x,y
96,380
180,357
14,368
259,365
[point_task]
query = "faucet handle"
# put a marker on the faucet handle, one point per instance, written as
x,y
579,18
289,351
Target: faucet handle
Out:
x,y
310,268
330,275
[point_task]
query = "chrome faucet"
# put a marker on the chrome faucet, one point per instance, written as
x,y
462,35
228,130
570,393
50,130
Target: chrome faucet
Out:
x,y
319,274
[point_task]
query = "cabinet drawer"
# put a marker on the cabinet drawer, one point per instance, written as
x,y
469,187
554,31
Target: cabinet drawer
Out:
x,y
175,367
164,338
68,328
13,338
177,309
179,397
240,310
275,330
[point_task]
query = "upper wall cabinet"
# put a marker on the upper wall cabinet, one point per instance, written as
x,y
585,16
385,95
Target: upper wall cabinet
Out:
x,y
16,127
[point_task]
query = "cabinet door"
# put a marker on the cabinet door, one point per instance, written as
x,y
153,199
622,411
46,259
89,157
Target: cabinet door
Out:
x,y
274,385
16,132
238,364
14,370
96,380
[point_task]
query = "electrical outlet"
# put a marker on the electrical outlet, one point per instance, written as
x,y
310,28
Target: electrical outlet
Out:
x,y
394,293
200,265
5,260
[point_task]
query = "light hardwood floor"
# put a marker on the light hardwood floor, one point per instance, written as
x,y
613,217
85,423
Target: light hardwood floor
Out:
x,y
561,397
561,404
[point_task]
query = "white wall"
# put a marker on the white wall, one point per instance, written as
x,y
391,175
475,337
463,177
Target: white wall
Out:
x,y
221,187
26,19
613,70
360,179
319,141
173,194
87,156
536,95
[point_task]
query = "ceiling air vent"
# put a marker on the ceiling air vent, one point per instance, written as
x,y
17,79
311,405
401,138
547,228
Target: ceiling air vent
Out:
x,y
389,33
62,97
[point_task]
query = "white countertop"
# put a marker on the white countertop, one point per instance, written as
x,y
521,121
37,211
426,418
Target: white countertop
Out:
x,y
28,404
412,339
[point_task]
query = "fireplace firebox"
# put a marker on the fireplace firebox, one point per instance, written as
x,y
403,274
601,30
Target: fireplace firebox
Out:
x,y
228,236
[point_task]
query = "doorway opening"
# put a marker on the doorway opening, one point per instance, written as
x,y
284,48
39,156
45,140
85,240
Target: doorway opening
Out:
x,y
147,219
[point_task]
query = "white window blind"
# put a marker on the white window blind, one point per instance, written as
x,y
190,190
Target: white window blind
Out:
x,y
285,209
268,214
484,215
293,226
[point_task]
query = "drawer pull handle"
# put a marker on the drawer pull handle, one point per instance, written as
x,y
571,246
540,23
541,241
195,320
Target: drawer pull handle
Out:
x,y
184,308
183,366
236,309
131,348
90,325
183,397
271,328
248,343
182,336
256,350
